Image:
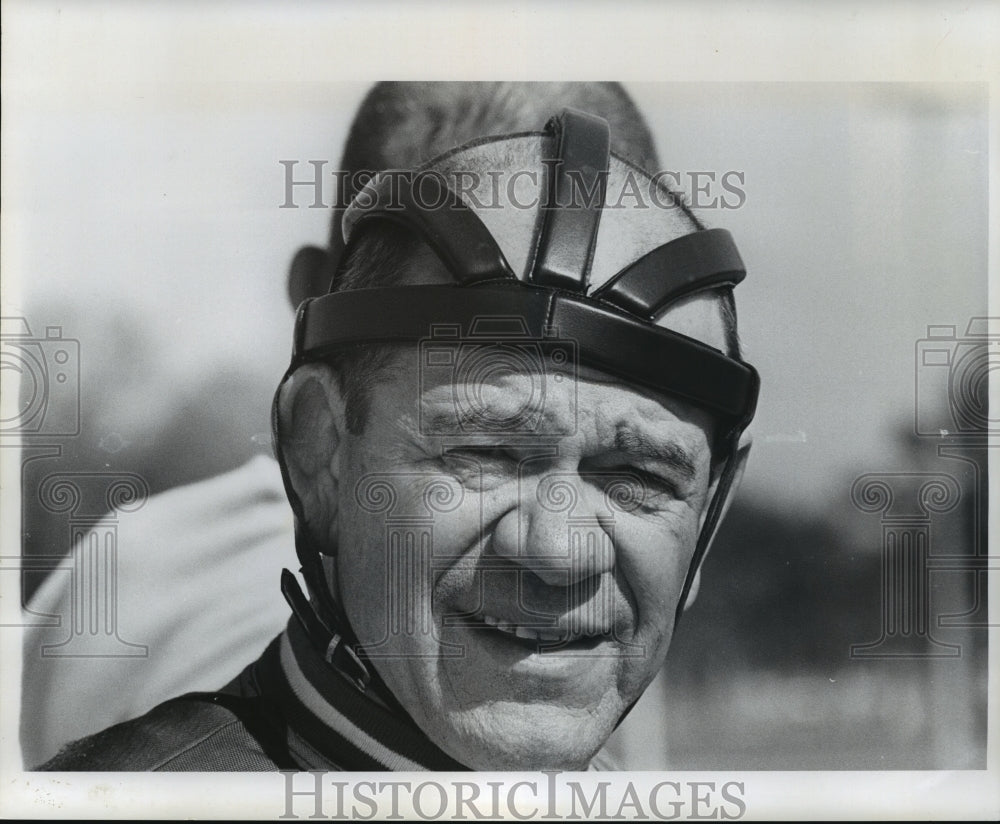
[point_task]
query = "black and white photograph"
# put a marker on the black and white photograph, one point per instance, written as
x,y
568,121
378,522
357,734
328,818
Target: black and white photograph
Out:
x,y
444,412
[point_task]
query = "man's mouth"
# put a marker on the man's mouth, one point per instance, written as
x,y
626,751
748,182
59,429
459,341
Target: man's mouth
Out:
x,y
553,637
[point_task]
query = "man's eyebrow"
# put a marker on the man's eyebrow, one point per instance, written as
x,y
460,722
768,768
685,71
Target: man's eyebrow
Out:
x,y
635,442
436,421
453,419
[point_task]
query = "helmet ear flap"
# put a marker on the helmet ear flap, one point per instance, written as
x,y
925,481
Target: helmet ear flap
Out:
x,y
309,274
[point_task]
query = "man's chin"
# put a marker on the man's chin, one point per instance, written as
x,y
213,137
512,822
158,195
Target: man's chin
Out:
x,y
510,735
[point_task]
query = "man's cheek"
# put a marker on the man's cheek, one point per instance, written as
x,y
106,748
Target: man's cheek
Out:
x,y
460,530
650,571
364,567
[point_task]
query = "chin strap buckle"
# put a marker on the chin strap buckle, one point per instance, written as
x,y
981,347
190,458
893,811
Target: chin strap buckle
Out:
x,y
341,656
336,651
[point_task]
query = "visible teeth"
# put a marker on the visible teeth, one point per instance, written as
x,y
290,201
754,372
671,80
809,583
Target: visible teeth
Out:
x,y
529,634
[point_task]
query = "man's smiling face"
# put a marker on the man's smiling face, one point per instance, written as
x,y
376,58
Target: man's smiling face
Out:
x,y
516,587
514,580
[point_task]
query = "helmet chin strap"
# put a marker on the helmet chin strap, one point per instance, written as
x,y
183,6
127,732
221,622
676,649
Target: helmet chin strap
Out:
x,y
321,615
326,625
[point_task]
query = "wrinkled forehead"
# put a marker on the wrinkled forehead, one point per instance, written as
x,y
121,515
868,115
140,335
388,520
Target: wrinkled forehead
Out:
x,y
505,182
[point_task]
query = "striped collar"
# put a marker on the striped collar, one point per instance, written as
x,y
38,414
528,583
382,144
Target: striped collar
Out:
x,y
331,724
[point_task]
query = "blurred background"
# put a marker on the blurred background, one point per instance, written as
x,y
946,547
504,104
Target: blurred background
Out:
x,y
147,227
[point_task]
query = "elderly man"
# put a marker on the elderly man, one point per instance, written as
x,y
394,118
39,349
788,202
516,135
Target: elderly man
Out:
x,y
507,434
222,542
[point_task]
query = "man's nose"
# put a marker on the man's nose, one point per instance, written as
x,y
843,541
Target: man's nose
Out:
x,y
559,530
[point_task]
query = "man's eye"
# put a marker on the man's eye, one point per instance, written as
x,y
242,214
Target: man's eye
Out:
x,y
479,457
630,488
657,486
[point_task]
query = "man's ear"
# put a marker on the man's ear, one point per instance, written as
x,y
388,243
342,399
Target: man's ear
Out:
x,y
309,275
741,456
311,420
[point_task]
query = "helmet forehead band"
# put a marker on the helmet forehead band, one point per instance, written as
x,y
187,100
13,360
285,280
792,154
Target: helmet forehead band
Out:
x,y
612,327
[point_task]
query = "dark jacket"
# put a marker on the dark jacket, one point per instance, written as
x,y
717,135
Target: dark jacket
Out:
x,y
287,710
